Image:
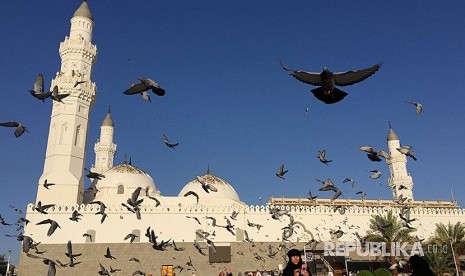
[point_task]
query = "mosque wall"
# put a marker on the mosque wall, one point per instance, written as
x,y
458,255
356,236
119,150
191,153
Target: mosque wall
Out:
x,y
170,221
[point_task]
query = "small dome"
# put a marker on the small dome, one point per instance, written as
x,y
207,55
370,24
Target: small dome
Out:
x,y
225,190
84,11
392,135
108,121
120,181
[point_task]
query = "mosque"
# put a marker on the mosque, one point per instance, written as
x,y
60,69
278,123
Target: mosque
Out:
x,y
255,238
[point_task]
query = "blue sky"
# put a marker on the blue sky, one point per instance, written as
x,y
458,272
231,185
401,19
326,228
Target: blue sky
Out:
x,y
229,103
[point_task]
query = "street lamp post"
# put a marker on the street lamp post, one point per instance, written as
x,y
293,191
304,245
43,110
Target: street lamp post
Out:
x,y
8,263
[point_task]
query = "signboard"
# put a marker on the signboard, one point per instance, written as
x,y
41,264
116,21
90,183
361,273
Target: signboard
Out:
x,y
309,256
166,270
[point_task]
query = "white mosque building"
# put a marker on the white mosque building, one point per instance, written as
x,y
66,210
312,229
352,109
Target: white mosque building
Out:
x,y
178,218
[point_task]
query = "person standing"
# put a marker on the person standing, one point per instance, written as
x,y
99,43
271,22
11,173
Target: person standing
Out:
x,y
420,266
294,265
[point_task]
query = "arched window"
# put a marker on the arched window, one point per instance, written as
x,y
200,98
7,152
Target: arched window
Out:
x,y
64,129
120,189
77,138
53,136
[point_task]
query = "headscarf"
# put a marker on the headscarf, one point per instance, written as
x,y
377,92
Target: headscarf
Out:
x,y
290,267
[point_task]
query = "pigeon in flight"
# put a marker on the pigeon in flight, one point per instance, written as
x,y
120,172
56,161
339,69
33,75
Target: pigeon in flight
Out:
x,y
327,81
375,174
131,236
375,155
94,175
53,226
42,208
194,194
108,254
79,82
3,222
38,91
349,180
144,85
168,143
56,96
418,106
46,184
20,129
103,270
206,186
311,197
88,236
362,193
75,216
322,157
407,150
195,218
281,172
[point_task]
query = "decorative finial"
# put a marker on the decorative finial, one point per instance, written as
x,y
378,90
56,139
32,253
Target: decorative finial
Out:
x,y
130,160
109,109
390,125
208,169
125,159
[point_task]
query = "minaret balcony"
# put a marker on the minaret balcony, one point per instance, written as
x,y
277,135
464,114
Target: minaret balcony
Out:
x,y
78,46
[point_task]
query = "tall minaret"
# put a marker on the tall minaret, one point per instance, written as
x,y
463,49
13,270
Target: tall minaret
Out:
x,y
105,149
400,181
66,146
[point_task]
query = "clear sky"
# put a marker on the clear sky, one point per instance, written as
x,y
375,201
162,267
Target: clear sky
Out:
x,y
229,103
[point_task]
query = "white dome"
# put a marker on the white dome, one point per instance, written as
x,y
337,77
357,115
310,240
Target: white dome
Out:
x,y
120,181
225,190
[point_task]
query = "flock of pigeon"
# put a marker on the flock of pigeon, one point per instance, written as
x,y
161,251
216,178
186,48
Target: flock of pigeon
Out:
x,y
326,92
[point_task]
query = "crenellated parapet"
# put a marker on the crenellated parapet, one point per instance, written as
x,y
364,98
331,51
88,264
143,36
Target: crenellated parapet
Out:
x,y
85,91
251,209
79,48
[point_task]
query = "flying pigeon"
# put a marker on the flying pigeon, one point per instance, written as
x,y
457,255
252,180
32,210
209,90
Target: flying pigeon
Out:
x,y
281,172
350,180
53,226
75,216
418,106
108,254
94,175
131,236
327,81
144,85
46,184
375,174
42,208
56,96
407,150
194,194
206,186
310,197
362,193
322,157
79,82
20,129
168,143
38,91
